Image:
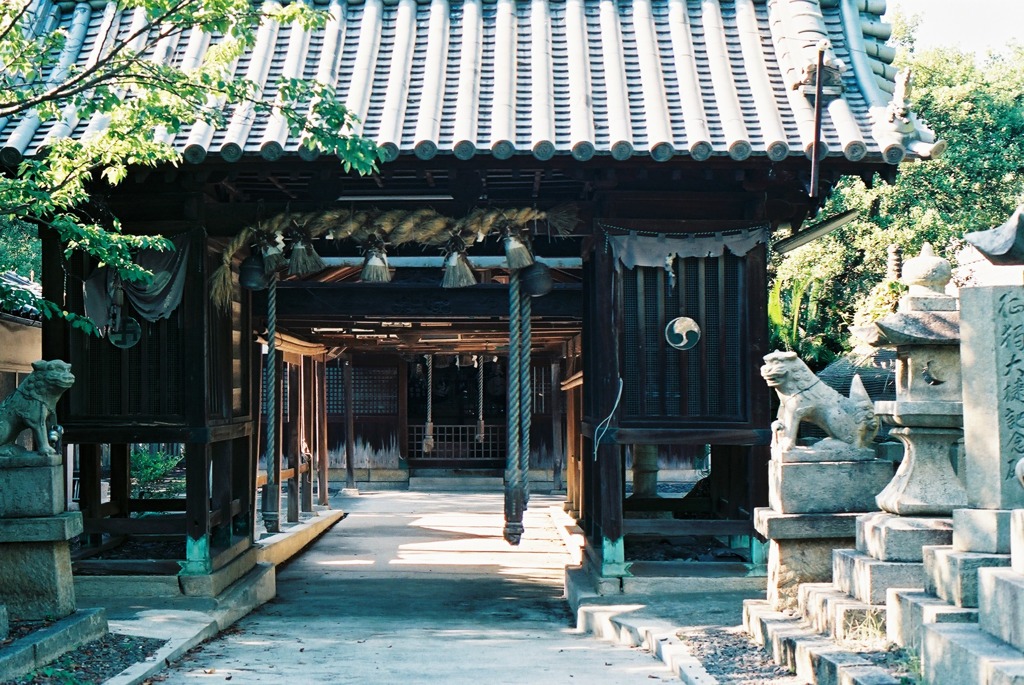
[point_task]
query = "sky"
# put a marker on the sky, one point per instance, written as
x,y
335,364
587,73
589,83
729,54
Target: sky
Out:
x,y
976,26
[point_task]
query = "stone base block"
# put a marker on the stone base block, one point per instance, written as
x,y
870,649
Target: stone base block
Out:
x,y
986,531
957,654
899,538
907,610
834,612
4,625
212,584
953,576
31,491
1001,603
867,579
1017,540
41,529
35,579
775,526
826,487
794,562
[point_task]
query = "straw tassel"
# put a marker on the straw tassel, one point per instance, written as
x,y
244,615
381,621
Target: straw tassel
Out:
x,y
562,219
458,272
375,267
516,253
304,259
273,253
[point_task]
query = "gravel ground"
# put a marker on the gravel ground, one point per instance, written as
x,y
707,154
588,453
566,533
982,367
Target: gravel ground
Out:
x,y
94,662
730,656
732,659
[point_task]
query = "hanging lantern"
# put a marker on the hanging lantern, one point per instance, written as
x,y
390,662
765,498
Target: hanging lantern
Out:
x,y
252,273
458,272
375,265
536,280
517,255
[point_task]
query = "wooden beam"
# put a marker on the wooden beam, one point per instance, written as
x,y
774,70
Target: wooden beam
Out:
x,y
684,527
319,304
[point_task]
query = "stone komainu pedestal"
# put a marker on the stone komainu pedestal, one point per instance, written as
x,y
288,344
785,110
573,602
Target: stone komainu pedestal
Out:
x,y
815,493
35,561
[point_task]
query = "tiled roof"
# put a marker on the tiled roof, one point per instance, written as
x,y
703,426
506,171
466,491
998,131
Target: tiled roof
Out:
x,y
13,280
658,78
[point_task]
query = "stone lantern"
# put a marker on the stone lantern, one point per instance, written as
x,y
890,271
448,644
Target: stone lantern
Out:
x,y
928,410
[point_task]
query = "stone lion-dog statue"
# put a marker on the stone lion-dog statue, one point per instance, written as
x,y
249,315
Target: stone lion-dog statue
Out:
x,y
33,405
804,397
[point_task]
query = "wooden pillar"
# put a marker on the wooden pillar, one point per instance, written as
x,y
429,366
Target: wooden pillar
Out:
x,y
645,471
606,480
350,429
403,410
120,478
243,486
322,449
557,426
220,495
572,461
198,559
293,446
89,487
306,456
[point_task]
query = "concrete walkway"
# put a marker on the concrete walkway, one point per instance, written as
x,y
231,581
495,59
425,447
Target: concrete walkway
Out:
x,y
420,587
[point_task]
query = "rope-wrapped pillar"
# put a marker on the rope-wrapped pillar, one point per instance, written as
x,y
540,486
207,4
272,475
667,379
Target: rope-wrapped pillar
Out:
x,y
428,433
480,425
525,395
514,495
271,503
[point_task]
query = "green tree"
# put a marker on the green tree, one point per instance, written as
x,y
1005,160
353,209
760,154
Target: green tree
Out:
x,y
19,247
978,108
128,96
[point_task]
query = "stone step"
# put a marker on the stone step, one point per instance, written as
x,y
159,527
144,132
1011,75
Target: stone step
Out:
x,y
867,579
899,538
981,530
456,484
908,610
1001,604
953,576
811,656
961,653
834,613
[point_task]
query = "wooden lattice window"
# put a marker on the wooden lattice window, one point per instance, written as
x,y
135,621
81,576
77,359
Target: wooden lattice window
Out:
x,y
374,390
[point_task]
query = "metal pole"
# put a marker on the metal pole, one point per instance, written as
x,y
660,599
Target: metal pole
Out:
x,y
818,83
